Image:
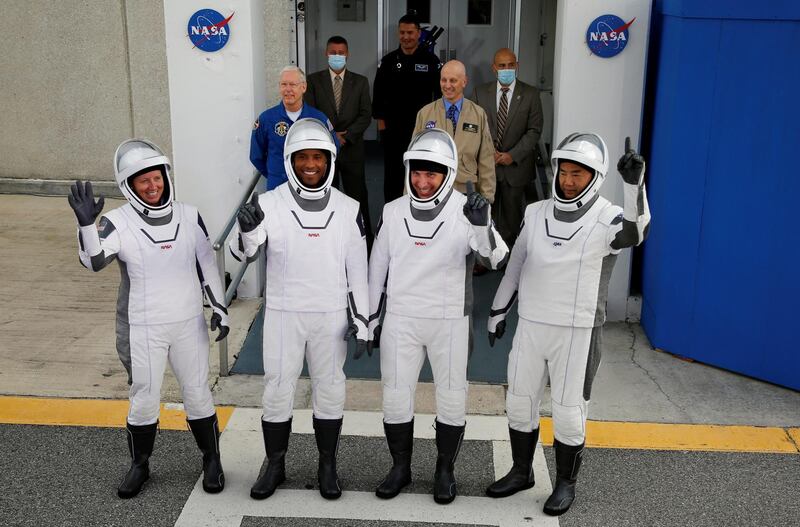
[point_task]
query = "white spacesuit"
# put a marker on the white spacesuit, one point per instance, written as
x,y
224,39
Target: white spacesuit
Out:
x,y
420,273
561,266
165,261
315,299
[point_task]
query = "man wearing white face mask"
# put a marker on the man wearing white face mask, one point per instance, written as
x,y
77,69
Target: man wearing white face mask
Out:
x,y
515,122
344,97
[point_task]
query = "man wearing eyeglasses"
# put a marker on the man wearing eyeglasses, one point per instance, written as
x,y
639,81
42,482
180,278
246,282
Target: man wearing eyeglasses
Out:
x,y
271,127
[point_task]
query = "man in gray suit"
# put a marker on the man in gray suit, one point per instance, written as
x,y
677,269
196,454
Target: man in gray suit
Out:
x,y
344,97
515,122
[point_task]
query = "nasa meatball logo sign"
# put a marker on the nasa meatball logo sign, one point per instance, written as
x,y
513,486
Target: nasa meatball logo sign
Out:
x,y
208,30
607,35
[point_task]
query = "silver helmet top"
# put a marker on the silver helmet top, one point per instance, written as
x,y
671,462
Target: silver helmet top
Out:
x,y
434,145
133,157
586,149
307,134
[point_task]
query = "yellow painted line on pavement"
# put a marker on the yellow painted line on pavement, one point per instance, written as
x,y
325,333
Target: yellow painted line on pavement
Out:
x,y
89,412
662,436
794,435
600,434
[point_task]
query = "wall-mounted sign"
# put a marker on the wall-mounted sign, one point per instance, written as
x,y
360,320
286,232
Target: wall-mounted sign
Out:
x,y
607,35
208,30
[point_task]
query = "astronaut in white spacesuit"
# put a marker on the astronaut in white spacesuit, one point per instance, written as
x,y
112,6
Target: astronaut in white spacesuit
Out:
x,y
561,265
420,273
315,298
166,262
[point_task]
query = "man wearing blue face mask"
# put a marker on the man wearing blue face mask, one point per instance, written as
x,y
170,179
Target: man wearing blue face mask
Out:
x,y
515,122
344,97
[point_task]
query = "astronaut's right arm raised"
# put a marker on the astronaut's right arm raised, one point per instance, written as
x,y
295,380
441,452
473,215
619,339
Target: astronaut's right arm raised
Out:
x,y
250,233
489,246
95,249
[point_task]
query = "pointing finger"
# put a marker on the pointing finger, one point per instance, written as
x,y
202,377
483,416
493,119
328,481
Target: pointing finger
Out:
x,y
627,144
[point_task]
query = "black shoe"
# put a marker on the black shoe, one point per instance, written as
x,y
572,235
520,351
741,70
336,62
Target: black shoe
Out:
x,y
140,444
327,432
520,477
400,438
276,441
448,443
568,463
206,434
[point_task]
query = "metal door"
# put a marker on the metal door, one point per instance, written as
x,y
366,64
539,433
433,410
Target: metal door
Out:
x,y
473,30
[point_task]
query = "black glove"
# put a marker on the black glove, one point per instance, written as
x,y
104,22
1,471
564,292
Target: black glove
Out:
x,y
476,209
631,165
216,324
83,204
250,215
375,343
499,331
361,345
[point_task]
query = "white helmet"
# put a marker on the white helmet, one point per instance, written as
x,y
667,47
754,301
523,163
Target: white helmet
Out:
x,y
134,156
586,149
433,145
309,134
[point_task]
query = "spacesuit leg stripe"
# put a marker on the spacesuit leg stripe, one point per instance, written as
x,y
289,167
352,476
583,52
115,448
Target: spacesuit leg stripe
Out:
x,y
325,354
123,328
148,361
401,361
188,357
593,362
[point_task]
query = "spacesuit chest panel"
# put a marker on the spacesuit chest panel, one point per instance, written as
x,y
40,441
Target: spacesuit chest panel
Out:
x,y
305,256
561,276
428,262
161,264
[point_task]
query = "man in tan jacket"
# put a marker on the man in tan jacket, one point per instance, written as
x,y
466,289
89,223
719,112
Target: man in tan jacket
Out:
x,y
467,123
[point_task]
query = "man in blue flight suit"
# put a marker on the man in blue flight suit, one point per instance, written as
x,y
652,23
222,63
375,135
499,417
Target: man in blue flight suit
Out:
x,y
269,130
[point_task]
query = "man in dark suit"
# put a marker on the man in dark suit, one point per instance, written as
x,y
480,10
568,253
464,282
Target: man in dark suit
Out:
x,y
515,122
344,97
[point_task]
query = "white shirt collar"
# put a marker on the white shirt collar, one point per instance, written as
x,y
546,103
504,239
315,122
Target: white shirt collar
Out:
x,y
333,74
510,88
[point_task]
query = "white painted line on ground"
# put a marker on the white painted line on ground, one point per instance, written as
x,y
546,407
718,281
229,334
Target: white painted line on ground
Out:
x,y
243,452
370,424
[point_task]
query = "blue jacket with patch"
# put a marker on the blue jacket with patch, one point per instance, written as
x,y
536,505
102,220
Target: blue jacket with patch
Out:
x,y
269,133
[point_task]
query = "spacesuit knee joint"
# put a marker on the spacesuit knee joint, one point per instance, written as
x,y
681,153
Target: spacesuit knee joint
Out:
x,y
522,415
329,399
278,401
451,405
398,404
569,423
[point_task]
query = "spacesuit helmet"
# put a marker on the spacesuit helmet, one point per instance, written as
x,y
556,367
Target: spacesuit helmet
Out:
x,y
431,145
134,157
585,149
307,134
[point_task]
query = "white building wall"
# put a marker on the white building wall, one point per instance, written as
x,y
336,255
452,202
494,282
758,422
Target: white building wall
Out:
x,y
602,95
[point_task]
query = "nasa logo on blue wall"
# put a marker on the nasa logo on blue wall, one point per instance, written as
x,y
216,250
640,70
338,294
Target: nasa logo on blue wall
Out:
x,y
607,35
208,30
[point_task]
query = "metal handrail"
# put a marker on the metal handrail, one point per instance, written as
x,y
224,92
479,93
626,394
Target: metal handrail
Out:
x,y
219,245
544,169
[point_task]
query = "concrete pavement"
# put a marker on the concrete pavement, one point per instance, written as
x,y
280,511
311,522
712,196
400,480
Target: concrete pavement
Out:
x,y
57,339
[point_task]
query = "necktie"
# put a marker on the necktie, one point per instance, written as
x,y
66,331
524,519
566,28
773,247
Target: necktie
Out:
x,y
502,115
337,92
451,116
